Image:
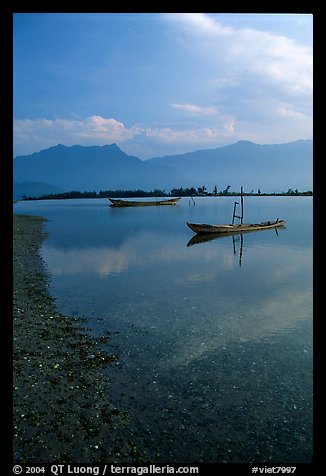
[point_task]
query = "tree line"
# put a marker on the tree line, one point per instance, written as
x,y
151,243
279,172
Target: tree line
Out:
x,y
201,191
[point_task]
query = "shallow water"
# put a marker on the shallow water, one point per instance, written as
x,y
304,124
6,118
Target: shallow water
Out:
x,y
214,338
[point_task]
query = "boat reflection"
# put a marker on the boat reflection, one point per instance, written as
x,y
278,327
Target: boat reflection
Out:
x,y
202,238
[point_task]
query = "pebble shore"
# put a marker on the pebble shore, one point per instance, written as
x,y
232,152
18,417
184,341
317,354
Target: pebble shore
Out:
x,y
62,411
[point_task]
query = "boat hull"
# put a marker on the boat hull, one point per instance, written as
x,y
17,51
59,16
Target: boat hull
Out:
x,y
204,228
130,203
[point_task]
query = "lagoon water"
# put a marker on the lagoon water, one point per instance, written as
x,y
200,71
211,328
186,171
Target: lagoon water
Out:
x,y
214,338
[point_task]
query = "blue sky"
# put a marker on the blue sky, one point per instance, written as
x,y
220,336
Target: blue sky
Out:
x,y
159,83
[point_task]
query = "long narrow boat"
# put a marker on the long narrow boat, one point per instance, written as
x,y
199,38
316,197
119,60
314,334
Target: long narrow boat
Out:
x,y
133,203
238,228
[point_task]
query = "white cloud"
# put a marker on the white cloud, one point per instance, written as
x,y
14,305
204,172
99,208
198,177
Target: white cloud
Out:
x,y
232,83
229,126
31,135
199,136
196,110
289,112
199,23
108,129
274,58
35,134
96,128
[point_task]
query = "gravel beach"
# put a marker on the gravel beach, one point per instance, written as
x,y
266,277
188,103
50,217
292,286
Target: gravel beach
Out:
x,y
61,394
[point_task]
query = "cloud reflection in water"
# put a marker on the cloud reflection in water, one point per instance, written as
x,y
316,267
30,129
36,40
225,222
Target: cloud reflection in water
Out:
x,y
205,300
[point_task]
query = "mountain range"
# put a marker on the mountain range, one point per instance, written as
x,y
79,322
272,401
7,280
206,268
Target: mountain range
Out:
x,y
272,168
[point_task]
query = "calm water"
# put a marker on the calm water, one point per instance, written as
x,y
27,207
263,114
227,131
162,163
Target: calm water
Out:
x,y
214,338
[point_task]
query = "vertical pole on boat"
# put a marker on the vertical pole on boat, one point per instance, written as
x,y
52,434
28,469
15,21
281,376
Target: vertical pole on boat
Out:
x,y
241,197
234,209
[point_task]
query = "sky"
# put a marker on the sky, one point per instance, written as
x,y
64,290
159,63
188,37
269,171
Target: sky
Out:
x,y
161,83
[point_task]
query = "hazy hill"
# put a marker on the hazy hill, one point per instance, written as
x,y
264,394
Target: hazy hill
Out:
x,y
272,168
93,168
33,189
268,167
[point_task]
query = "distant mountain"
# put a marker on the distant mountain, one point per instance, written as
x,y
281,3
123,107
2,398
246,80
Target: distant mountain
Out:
x,y
93,168
272,168
33,189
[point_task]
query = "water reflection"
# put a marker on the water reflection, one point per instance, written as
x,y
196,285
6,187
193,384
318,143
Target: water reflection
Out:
x,y
204,237
142,249
191,300
215,358
231,323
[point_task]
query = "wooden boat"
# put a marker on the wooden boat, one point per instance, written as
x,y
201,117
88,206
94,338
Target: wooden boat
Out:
x,y
235,228
133,203
203,237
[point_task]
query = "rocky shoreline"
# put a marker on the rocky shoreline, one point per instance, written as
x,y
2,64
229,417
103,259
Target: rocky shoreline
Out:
x,y
61,393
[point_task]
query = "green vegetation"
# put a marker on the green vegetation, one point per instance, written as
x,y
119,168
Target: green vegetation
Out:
x,y
202,191
175,192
